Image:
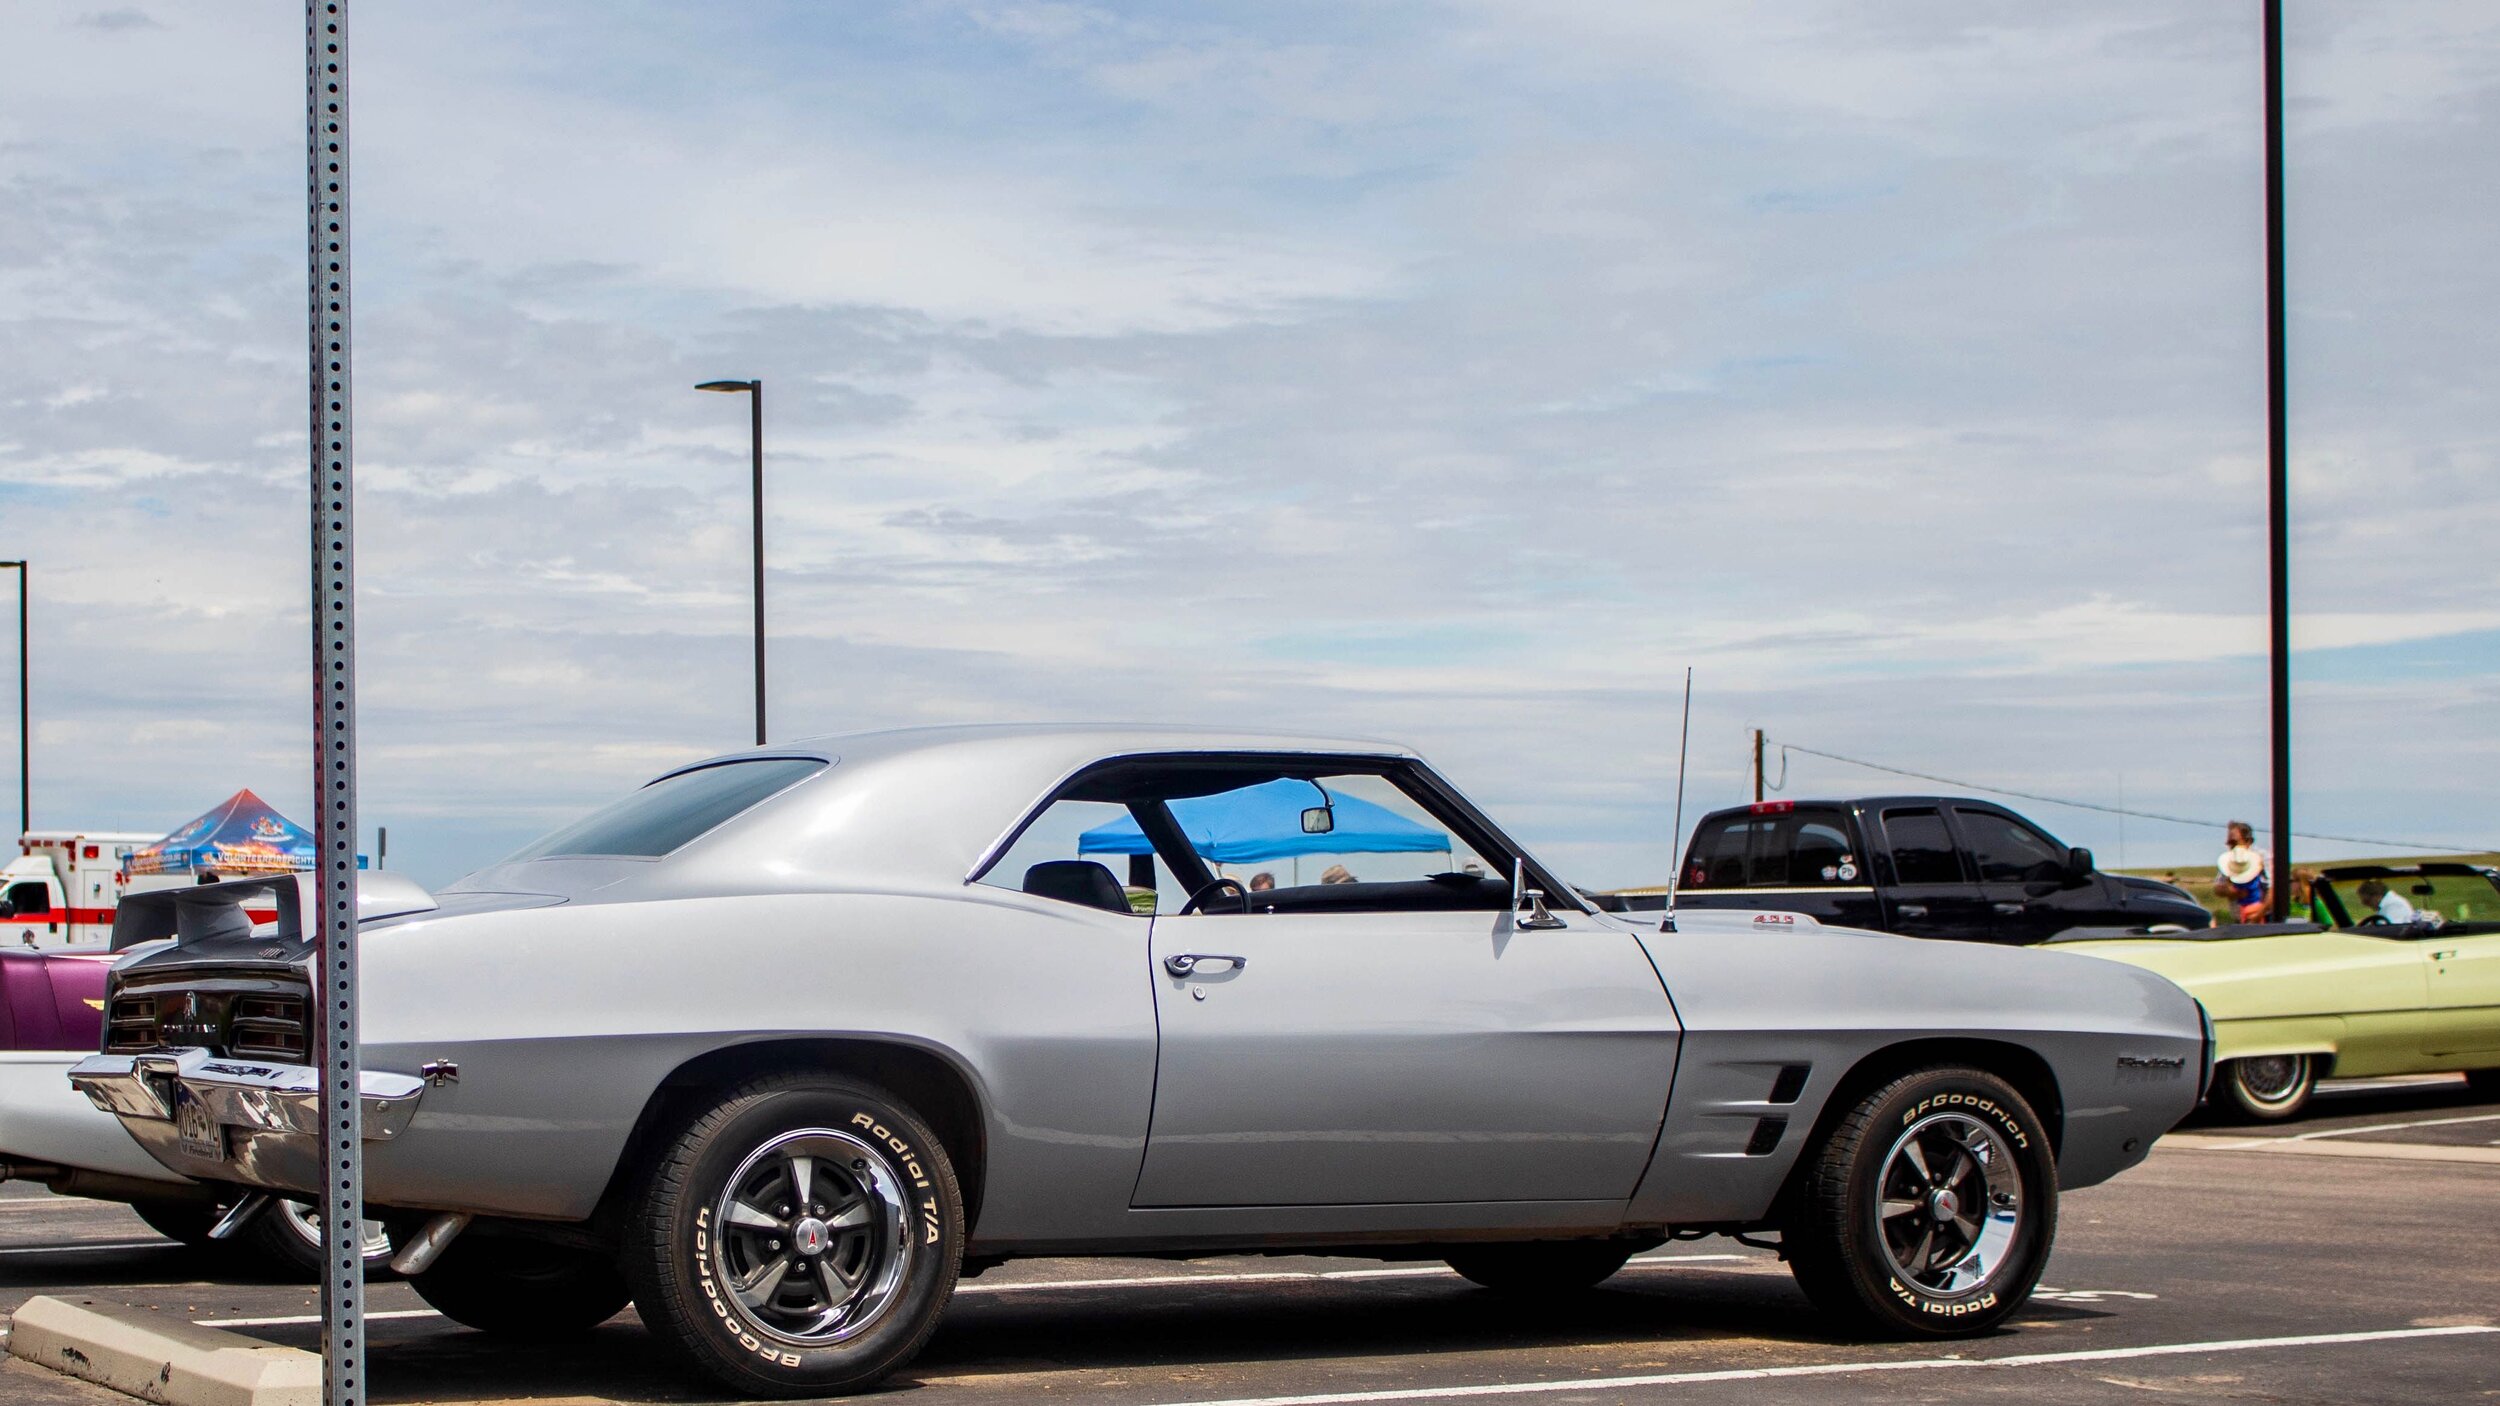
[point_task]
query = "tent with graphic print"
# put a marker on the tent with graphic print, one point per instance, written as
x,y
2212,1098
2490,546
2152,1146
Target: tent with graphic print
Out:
x,y
239,836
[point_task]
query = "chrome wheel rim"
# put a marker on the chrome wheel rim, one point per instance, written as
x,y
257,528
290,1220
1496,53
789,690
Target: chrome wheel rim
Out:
x,y
305,1222
2272,1079
1949,1204
813,1239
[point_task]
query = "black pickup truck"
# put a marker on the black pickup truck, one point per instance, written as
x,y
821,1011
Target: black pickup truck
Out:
x,y
1922,866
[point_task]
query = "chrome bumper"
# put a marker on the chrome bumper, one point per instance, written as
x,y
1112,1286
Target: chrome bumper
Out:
x,y
222,1119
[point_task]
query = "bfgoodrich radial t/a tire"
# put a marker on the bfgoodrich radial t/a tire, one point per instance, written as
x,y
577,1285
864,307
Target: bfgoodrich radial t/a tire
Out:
x,y
800,1237
1928,1210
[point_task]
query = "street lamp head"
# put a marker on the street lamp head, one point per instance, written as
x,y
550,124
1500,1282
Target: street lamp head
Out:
x,y
726,386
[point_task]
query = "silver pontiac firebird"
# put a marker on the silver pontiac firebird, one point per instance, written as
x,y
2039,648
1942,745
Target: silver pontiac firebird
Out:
x,y
779,1046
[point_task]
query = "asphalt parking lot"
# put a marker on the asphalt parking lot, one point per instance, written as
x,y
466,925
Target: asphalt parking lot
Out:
x,y
2346,1257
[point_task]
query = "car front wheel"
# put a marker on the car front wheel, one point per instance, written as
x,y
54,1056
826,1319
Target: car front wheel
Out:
x,y
799,1237
2269,1087
1928,1210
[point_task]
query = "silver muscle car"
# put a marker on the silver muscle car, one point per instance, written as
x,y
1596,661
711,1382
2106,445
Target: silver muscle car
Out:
x,y
781,1044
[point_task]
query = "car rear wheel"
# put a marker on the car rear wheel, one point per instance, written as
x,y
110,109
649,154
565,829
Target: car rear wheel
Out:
x,y
1928,1210
1541,1267
289,1233
186,1221
799,1237
522,1289
2269,1087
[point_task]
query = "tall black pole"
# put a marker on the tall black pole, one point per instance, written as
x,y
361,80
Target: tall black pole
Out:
x,y
25,751
339,1080
2278,465
755,440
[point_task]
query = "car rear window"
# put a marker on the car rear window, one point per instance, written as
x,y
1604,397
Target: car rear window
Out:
x,y
672,810
1807,848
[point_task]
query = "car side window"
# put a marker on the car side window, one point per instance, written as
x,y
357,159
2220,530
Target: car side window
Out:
x,y
2008,851
26,901
1922,850
1089,853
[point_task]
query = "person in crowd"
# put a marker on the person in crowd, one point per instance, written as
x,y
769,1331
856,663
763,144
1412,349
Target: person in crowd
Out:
x,y
1337,874
2385,903
1262,881
2240,874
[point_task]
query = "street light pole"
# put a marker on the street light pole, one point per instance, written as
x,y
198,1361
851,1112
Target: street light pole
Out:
x,y
25,753
755,445
2278,475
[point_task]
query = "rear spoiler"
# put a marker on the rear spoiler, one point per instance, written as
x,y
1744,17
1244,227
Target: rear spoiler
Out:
x,y
205,912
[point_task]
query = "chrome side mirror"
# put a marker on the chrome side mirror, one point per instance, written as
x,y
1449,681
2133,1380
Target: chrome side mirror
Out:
x,y
1536,918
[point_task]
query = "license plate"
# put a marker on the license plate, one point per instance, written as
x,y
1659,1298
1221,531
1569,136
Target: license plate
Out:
x,y
198,1131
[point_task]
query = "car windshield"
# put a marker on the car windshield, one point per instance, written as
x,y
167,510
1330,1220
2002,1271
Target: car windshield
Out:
x,y
2453,898
672,810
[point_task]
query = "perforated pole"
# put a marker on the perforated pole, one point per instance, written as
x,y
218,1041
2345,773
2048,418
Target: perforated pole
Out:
x,y
334,703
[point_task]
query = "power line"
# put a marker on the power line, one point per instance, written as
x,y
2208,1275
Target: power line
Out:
x,y
2407,845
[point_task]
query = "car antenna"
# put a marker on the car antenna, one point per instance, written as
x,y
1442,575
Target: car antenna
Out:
x,y
1683,743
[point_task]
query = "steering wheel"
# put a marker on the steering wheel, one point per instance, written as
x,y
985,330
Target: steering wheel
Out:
x,y
2375,920
1199,896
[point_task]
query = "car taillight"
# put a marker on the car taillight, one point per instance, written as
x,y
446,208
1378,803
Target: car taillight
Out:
x,y
1772,807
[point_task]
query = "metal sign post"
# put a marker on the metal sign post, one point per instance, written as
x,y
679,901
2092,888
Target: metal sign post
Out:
x,y
334,701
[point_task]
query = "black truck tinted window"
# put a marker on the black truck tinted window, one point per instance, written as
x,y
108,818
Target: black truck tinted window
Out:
x,y
1775,849
1922,852
2008,851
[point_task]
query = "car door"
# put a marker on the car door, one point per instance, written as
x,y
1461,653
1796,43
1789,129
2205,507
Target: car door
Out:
x,y
2024,886
1932,893
1338,1058
2465,993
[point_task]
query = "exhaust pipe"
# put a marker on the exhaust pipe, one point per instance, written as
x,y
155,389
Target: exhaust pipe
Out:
x,y
427,1245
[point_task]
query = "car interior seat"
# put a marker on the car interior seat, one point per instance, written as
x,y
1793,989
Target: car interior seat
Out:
x,y
1081,881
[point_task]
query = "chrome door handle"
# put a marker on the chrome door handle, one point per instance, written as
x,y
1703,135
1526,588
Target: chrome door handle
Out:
x,y
1913,910
2007,908
1187,963
2443,956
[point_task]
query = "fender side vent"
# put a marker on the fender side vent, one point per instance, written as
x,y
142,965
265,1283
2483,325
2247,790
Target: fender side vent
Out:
x,y
1766,1135
1790,1083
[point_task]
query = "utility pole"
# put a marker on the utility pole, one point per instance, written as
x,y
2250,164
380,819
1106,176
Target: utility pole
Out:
x,y
25,750
339,1080
2278,476
1757,766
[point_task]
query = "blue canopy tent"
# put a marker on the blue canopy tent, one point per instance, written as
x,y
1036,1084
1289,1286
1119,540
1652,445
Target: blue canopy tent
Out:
x,y
1265,822
240,835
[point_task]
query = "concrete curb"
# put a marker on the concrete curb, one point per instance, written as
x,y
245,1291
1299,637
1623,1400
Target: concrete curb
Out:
x,y
159,1358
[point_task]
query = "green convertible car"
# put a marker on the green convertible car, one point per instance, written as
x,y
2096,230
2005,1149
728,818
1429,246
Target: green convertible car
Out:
x,y
2398,974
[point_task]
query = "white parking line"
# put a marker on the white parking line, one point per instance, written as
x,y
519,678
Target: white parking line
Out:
x,y
1133,1282
88,1249
1836,1369
304,1319
2391,1127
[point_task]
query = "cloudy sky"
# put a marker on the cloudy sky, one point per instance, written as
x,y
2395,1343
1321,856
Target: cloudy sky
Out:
x,y
1455,372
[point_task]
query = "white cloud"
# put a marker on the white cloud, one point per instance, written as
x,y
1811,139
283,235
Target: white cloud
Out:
x,y
1455,373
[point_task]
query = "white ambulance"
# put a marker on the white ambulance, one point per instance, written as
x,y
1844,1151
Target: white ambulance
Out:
x,y
62,888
